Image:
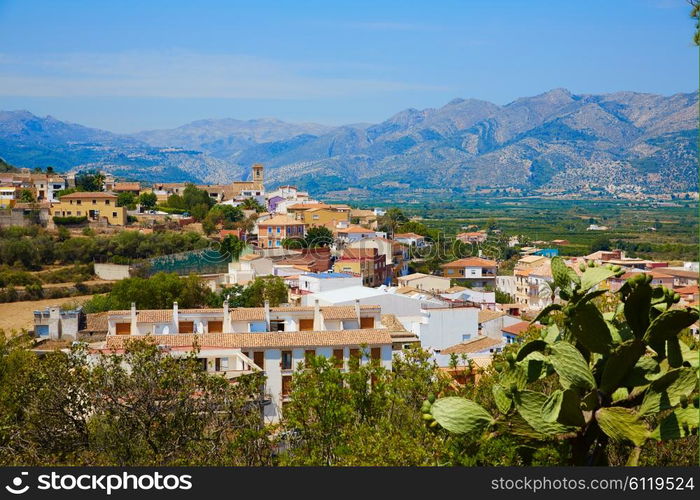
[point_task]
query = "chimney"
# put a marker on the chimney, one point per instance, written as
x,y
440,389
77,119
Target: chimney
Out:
x,y
318,319
227,317
267,315
176,319
134,328
357,311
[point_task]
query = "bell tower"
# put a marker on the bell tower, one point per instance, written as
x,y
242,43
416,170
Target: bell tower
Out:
x,y
258,173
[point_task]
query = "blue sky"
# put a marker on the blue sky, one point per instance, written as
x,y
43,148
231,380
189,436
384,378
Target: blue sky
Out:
x,y
134,65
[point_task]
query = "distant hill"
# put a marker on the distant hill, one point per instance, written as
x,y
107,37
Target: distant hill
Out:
x,y
556,142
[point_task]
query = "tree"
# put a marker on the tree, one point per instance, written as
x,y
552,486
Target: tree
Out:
x,y
148,200
318,236
144,407
270,288
126,199
225,215
89,181
392,219
252,204
26,196
366,415
602,243
232,247
157,292
593,379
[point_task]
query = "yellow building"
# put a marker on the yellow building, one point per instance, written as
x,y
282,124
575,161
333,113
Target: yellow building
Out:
x,y
323,216
96,206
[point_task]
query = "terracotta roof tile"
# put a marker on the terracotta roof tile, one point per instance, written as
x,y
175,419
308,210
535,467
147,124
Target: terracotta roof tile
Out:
x,y
471,262
470,346
488,315
262,340
88,194
517,328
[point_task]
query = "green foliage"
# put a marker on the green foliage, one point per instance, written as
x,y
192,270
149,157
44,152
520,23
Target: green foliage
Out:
x,y
319,236
69,220
618,374
89,181
252,204
157,292
26,196
138,409
365,415
127,199
270,288
148,200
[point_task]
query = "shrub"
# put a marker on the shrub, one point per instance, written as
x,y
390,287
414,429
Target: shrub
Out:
x,y
69,220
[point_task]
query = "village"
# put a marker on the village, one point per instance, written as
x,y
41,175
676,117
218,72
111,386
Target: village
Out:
x,y
351,293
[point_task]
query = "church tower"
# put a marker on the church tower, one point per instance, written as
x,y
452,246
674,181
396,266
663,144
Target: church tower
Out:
x,y
258,173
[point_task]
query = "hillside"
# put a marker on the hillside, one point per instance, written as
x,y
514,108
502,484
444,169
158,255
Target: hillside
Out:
x,y
552,142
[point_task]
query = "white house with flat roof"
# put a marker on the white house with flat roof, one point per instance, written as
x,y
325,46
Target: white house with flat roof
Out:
x,y
274,339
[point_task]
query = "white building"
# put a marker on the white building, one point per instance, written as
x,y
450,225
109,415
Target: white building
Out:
x,y
427,282
247,268
462,294
274,339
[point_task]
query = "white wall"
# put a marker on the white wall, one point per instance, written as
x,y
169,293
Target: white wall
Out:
x,y
112,271
390,303
314,285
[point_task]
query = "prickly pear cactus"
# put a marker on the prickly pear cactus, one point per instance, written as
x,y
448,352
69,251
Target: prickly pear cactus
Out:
x,y
617,371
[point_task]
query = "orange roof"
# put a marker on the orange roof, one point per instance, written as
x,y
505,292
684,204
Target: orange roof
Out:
x,y
307,206
471,262
517,328
127,186
488,315
355,229
88,194
408,235
261,340
281,220
477,233
470,346
684,290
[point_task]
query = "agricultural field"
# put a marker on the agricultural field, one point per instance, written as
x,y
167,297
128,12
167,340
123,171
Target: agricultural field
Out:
x,y
674,235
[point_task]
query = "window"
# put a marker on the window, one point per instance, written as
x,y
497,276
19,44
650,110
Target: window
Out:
x,y
259,359
94,202
286,360
186,326
114,214
106,202
220,364
286,385
216,326
338,358
376,353
466,337
306,325
123,328
277,325
77,202
79,213
367,322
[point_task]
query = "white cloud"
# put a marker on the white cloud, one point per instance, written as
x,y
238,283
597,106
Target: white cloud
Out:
x,y
180,74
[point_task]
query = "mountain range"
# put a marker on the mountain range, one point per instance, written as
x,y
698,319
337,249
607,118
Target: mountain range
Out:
x,y
553,142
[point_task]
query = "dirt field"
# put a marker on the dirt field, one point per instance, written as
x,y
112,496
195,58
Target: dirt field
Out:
x,y
18,315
